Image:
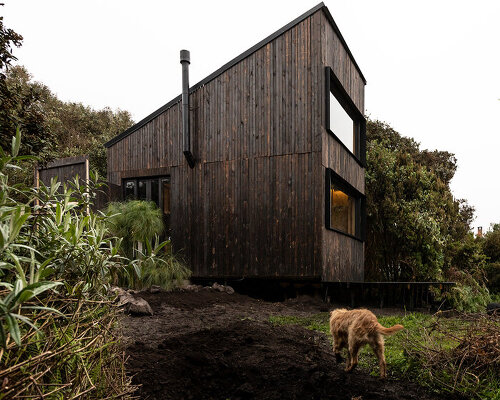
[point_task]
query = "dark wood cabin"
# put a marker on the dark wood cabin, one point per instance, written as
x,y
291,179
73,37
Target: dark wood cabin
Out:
x,y
277,137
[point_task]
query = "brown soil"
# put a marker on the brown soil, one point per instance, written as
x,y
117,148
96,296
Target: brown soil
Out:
x,y
212,345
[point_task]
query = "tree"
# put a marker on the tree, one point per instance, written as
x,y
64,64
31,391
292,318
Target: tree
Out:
x,y
55,128
414,224
22,107
8,40
51,128
491,246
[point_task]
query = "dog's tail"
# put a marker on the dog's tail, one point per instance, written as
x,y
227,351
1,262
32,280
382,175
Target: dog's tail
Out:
x,y
389,331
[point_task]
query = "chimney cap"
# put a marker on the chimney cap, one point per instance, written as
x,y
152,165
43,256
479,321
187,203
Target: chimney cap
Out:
x,y
185,56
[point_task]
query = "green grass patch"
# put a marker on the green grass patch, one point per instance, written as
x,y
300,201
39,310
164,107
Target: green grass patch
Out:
x,y
408,352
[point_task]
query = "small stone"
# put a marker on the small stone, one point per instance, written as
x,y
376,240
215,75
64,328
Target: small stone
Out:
x,y
124,299
191,288
155,289
138,307
218,287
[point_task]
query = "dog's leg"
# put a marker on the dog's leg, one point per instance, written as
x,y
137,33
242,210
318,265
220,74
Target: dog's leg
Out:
x,y
337,347
378,349
353,355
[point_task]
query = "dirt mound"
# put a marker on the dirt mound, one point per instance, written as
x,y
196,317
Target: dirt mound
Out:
x,y
193,300
211,345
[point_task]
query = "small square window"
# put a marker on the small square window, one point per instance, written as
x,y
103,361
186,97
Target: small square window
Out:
x,y
342,210
345,206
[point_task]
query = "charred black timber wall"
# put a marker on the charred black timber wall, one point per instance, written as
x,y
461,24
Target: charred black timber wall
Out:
x,y
253,205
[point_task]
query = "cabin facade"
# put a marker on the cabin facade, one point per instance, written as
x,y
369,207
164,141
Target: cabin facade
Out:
x,y
277,137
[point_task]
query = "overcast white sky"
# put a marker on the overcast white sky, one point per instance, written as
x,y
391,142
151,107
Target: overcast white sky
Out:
x,y
433,67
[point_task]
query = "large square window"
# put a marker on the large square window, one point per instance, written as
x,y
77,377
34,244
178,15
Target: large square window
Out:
x,y
345,206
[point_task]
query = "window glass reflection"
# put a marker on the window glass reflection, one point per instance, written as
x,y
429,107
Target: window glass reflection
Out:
x,y
129,190
342,211
341,124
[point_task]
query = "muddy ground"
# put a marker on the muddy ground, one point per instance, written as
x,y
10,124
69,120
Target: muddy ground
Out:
x,y
213,345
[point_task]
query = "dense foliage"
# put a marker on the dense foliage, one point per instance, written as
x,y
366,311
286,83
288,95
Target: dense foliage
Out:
x,y
491,246
416,228
53,128
56,318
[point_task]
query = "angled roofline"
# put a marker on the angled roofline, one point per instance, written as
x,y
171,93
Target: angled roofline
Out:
x,y
236,60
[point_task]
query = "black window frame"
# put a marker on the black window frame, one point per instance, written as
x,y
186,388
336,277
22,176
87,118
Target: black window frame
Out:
x,y
331,177
334,86
136,180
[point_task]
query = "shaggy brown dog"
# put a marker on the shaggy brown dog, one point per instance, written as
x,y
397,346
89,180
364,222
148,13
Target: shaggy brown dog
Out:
x,y
353,329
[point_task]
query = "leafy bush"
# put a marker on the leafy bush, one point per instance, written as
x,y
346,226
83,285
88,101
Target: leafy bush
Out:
x,y
134,221
139,224
469,293
493,275
416,229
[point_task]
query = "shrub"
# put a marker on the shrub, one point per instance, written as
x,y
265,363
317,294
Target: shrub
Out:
x,y
139,224
469,293
135,221
493,274
165,270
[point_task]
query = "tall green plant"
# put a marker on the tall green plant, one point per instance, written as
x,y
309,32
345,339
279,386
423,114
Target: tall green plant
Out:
x,y
18,259
139,224
158,266
135,221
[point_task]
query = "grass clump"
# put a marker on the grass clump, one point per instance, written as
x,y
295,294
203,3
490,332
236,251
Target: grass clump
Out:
x,y
135,221
161,268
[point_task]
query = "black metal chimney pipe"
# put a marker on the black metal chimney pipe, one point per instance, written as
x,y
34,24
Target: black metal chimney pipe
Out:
x,y
186,138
